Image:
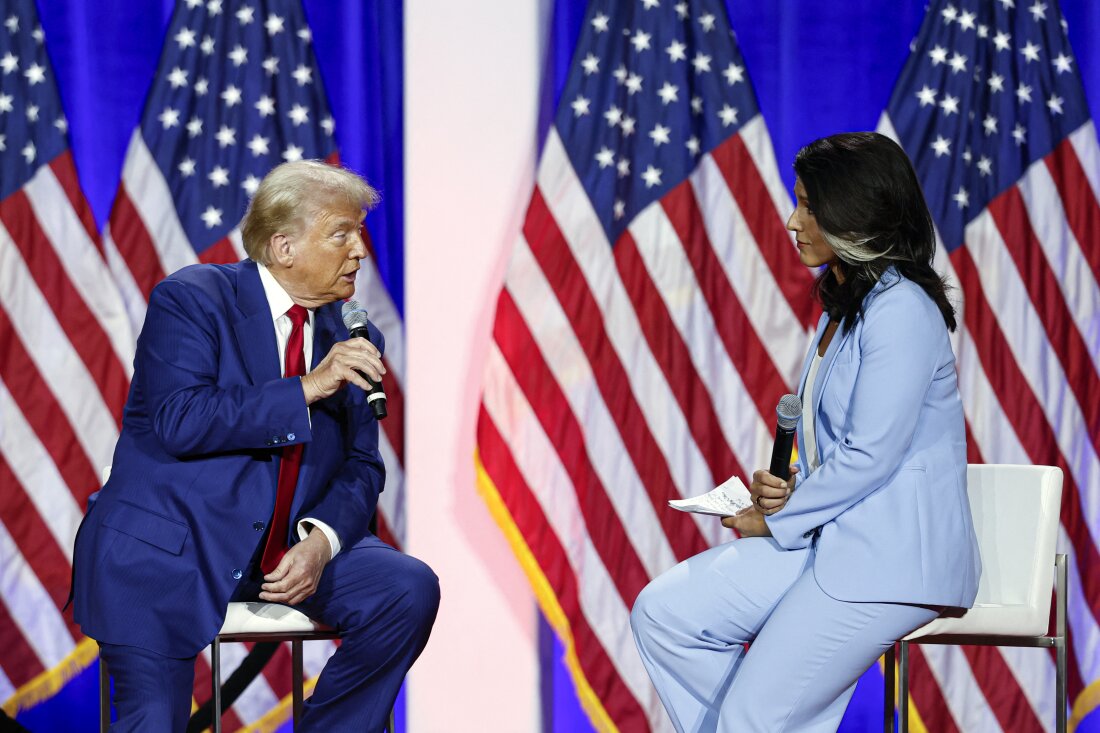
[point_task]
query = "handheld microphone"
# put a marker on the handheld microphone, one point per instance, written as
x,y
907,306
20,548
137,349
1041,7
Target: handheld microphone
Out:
x,y
355,318
788,410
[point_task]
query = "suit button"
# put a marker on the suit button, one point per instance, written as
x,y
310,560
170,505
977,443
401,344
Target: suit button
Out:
x,y
258,526
290,437
237,573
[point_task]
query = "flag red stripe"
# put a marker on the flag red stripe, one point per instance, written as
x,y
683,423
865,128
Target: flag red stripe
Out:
x,y
1026,416
134,243
19,660
73,315
1011,217
571,289
64,170
394,424
384,532
562,429
763,382
219,253
927,695
1078,200
42,412
598,670
752,196
1001,690
35,542
671,353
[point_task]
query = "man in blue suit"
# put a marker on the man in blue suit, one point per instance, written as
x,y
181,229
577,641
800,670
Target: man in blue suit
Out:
x,y
241,474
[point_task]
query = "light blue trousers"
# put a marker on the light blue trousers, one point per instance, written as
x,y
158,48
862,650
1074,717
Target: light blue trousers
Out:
x,y
807,648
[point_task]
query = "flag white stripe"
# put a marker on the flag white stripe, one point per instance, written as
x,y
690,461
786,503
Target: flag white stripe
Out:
x,y
30,606
569,205
7,689
672,274
315,654
58,363
1085,144
538,462
759,145
81,260
1026,338
235,240
964,698
155,206
603,443
779,330
37,474
1034,671
1063,255
132,297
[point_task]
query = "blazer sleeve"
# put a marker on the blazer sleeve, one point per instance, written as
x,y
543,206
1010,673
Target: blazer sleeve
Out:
x,y
900,344
352,496
178,367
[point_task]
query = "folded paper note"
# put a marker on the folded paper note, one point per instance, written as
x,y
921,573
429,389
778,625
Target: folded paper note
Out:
x,y
726,500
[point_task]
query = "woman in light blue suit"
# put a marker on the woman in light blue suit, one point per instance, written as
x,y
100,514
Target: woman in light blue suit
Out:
x,y
875,538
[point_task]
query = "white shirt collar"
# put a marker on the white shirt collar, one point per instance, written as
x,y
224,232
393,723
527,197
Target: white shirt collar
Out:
x,y
278,300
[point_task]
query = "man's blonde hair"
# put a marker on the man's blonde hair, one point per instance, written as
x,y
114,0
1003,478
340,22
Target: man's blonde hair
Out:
x,y
290,196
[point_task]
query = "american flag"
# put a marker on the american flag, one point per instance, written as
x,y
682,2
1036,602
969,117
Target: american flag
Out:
x,y
65,353
237,92
653,312
992,112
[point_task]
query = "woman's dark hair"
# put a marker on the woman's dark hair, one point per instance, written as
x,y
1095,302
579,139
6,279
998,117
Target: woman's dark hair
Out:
x,y
869,206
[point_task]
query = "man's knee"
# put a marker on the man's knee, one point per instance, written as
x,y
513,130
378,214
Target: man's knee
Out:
x,y
420,592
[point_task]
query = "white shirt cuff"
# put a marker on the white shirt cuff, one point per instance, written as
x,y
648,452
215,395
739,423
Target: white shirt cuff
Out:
x,y
304,525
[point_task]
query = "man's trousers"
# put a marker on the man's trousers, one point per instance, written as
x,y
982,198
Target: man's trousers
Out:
x,y
381,601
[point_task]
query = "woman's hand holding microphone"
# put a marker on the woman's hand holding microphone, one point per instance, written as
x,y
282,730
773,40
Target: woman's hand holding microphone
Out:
x,y
769,495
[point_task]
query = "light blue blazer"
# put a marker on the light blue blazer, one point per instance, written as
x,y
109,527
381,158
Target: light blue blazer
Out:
x,y
887,503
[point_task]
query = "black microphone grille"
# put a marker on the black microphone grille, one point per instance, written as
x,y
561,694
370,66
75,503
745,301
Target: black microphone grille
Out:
x,y
789,410
354,316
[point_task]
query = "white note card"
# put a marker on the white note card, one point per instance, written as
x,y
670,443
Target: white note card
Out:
x,y
725,500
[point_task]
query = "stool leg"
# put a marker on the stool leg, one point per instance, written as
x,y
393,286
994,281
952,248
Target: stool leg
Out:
x,y
888,701
299,680
216,682
104,697
903,687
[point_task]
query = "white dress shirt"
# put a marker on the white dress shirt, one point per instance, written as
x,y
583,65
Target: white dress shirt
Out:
x,y
280,302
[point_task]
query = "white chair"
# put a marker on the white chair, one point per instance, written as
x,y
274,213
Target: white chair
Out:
x,y
1015,511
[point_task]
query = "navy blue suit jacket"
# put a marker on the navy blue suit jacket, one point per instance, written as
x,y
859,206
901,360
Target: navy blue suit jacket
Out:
x,y
193,478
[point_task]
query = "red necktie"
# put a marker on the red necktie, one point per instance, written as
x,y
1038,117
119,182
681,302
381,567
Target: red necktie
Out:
x,y
291,461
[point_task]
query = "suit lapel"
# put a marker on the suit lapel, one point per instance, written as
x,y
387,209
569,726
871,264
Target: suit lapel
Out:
x,y
255,330
821,324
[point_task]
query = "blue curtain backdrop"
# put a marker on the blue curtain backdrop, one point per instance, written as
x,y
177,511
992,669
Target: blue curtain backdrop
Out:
x,y
818,68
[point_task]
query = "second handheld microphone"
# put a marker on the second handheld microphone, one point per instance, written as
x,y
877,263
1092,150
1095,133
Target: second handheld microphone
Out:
x,y
788,411
355,318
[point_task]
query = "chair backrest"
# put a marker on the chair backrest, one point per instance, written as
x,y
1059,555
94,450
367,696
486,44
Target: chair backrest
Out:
x,y
1015,511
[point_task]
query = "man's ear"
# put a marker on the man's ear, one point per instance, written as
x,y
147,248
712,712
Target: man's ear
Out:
x,y
281,250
